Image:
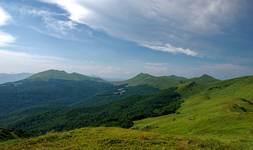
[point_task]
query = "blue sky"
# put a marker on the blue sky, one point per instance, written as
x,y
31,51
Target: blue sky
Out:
x,y
119,39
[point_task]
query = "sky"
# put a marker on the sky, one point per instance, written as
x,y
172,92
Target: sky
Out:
x,y
119,39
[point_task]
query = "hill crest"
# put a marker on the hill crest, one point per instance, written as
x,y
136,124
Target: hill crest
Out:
x,y
164,82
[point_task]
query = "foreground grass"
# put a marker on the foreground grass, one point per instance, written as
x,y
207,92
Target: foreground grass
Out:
x,y
223,112
103,138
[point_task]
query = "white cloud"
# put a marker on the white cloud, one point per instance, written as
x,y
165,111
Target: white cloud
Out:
x,y
6,39
163,21
77,12
171,49
4,17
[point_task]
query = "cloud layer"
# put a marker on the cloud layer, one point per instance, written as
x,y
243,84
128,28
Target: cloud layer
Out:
x,y
167,22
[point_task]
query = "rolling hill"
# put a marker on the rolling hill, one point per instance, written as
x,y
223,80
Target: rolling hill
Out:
x,y
62,75
221,111
49,88
164,82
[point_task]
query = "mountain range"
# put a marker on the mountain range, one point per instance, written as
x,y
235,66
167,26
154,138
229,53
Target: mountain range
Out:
x,y
160,112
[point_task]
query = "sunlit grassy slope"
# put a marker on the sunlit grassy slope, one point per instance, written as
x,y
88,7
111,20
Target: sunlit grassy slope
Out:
x,y
115,139
222,111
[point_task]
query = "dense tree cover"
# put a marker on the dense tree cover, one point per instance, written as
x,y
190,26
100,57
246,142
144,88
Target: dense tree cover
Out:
x,y
7,134
56,100
54,89
36,97
118,113
29,93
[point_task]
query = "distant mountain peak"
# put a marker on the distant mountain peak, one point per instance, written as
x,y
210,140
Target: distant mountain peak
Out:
x,y
61,75
143,75
206,76
204,79
173,76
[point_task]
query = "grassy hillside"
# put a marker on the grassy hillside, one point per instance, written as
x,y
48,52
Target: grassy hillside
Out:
x,y
222,111
116,138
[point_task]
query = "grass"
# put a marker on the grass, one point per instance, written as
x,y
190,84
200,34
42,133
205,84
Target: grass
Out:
x,y
114,139
223,112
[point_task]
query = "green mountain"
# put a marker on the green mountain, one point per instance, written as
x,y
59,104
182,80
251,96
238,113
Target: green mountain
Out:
x,y
62,75
164,82
49,88
56,93
204,80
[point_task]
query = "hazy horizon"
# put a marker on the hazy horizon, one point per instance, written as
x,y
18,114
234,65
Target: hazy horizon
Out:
x,y
118,78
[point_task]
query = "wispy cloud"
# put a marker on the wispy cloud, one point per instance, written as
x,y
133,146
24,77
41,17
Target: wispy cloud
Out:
x,y
50,19
170,49
160,21
5,38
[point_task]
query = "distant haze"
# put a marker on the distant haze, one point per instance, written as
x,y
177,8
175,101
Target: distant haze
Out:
x,y
4,77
